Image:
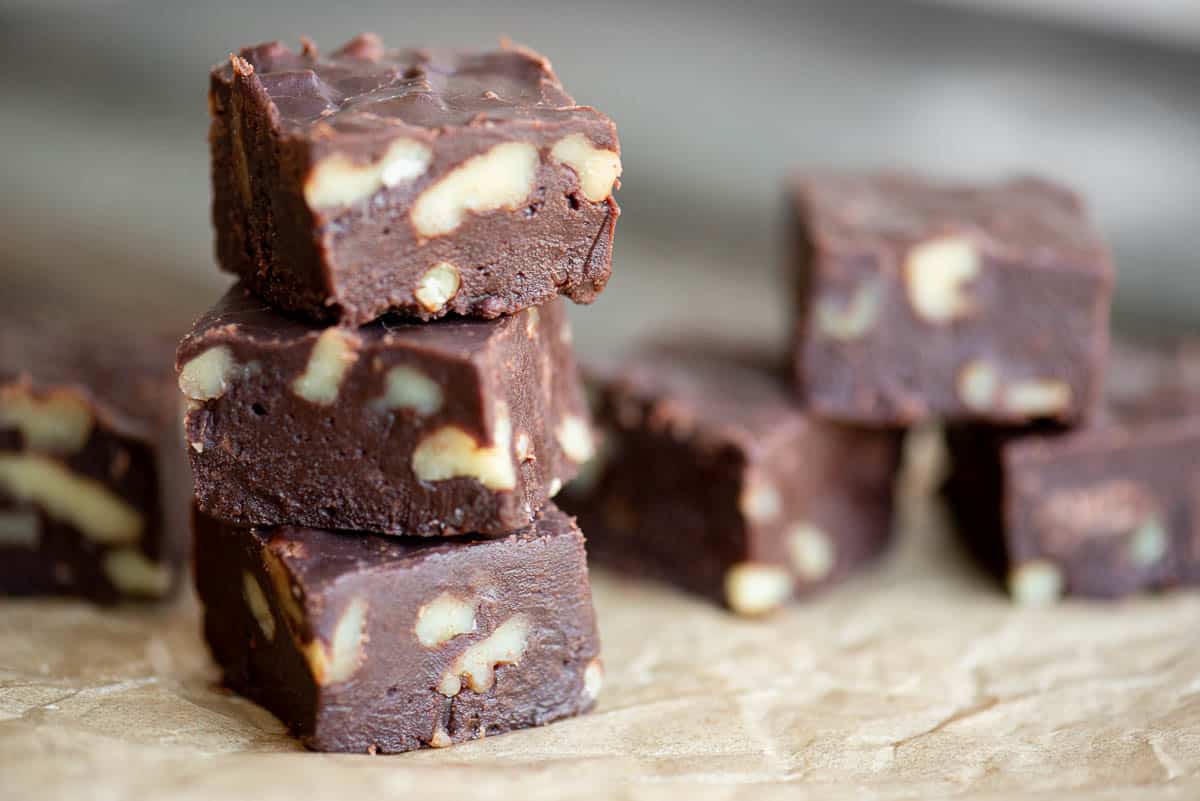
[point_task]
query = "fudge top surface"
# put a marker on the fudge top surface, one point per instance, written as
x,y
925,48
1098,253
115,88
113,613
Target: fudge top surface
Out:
x,y
737,393
318,557
1024,218
241,318
364,87
125,374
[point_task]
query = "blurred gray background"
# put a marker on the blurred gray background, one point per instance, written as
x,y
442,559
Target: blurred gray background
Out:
x,y
104,165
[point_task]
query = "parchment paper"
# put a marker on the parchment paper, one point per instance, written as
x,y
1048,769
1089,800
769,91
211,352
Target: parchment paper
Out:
x,y
916,680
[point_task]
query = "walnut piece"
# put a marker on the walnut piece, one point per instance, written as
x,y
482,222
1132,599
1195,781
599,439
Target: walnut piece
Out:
x,y
450,452
345,653
500,178
937,273
531,322
1037,397
1038,582
443,619
19,529
477,664
285,594
207,376
811,551
131,572
60,421
755,589
598,168
978,386
593,679
256,602
853,318
88,505
440,737
1149,543
437,286
336,181
575,439
760,501
411,389
332,355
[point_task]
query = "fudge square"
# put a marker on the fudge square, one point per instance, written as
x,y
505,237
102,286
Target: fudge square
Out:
x,y
453,427
711,477
92,473
1102,511
918,300
414,181
367,643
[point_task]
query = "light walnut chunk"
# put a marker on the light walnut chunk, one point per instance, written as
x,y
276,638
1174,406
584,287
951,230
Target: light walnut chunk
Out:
x,y
554,487
1149,543
531,322
437,286
1037,397
811,551
598,168
978,386
593,679
207,376
499,178
444,618
575,438
937,273
336,349
760,502
60,421
755,589
337,181
19,529
411,389
504,646
855,317
345,654
440,738
89,506
133,573
256,602
524,447
1038,582
285,594
450,452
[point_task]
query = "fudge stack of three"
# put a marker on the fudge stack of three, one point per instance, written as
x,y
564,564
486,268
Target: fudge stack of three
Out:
x,y
382,409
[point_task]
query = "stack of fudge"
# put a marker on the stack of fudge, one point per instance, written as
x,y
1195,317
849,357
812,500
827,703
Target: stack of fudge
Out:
x,y
381,410
983,308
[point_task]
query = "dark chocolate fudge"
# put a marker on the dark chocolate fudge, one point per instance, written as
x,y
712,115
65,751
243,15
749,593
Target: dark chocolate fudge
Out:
x,y
711,476
919,300
414,181
92,475
366,643
451,427
1102,511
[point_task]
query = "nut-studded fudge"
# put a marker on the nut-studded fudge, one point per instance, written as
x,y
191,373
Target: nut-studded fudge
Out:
x,y
413,181
919,300
1102,511
92,474
456,426
366,643
710,476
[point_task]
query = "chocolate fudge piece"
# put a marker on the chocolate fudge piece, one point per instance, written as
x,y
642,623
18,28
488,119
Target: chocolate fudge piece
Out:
x,y
458,426
367,643
92,473
414,181
710,476
1102,511
918,300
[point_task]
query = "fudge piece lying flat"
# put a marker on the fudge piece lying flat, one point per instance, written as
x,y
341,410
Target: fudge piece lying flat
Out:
x,y
711,477
921,301
367,643
92,474
415,181
1103,511
459,426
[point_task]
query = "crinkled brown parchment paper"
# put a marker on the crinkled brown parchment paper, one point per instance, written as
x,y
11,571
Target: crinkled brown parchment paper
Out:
x,y
917,680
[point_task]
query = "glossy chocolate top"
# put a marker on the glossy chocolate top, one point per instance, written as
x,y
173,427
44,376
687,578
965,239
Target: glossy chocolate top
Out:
x,y
1027,218
364,86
